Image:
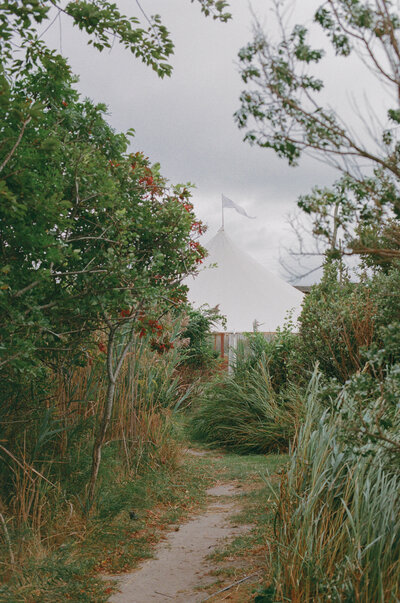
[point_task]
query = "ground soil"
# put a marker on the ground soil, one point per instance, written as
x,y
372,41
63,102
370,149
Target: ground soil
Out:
x,y
180,571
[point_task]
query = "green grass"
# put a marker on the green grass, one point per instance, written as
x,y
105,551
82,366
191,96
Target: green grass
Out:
x,y
258,510
245,468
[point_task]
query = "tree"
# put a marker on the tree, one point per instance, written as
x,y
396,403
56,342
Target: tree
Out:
x,y
92,237
43,138
280,109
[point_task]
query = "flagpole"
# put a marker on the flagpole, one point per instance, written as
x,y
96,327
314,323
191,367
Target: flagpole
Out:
x,y
222,212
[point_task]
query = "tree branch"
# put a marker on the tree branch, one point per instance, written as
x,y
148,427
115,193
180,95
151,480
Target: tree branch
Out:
x,y
20,135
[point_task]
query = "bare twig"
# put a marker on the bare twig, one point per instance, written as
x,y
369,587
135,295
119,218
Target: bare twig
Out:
x,y
7,537
26,289
24,465
20,135
77,272
231,586
3,362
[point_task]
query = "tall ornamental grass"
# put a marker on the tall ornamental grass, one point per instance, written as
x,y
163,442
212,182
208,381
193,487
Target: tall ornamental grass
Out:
x,y
46,454
150,390
338,518
245,414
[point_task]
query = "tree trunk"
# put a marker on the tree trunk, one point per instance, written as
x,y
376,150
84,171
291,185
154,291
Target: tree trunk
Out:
x,y
108,408
100,439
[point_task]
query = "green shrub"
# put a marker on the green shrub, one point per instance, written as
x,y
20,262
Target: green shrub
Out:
x,y
341,320
385,287
370,411
199,353
336,324
245,414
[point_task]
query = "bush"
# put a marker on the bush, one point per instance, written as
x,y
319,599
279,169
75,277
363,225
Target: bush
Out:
x,y
275,353
245,414
341,320
199,353
336,324
369,408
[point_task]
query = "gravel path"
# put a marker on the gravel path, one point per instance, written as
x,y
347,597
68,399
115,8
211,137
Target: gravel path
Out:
x,y
180,566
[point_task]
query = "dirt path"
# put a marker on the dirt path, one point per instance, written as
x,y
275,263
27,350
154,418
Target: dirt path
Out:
x,y
180,566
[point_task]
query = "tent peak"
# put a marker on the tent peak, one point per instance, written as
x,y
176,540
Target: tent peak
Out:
x,y
244,289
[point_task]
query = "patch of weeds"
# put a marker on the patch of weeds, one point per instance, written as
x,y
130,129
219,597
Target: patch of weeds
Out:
x,y
244,468
224,571
130,519
236,546
58,577
153,502
208,585
266,595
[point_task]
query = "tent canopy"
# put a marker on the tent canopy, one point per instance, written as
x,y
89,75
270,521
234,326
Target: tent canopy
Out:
x,y
244,290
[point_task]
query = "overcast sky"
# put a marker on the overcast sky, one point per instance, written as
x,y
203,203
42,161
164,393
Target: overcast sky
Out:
x,y
186,122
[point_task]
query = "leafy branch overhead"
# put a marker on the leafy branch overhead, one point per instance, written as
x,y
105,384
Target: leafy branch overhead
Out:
x,y
284,107
282,110
105,223
217,8
145,36
108,232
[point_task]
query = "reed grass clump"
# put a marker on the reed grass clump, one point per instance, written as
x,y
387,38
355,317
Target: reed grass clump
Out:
x,y
46,453
338,518
245,414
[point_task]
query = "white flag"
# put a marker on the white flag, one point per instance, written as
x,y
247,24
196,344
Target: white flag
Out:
x,y
229,203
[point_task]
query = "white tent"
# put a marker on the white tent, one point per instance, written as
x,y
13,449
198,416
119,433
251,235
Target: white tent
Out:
x,y
244,290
